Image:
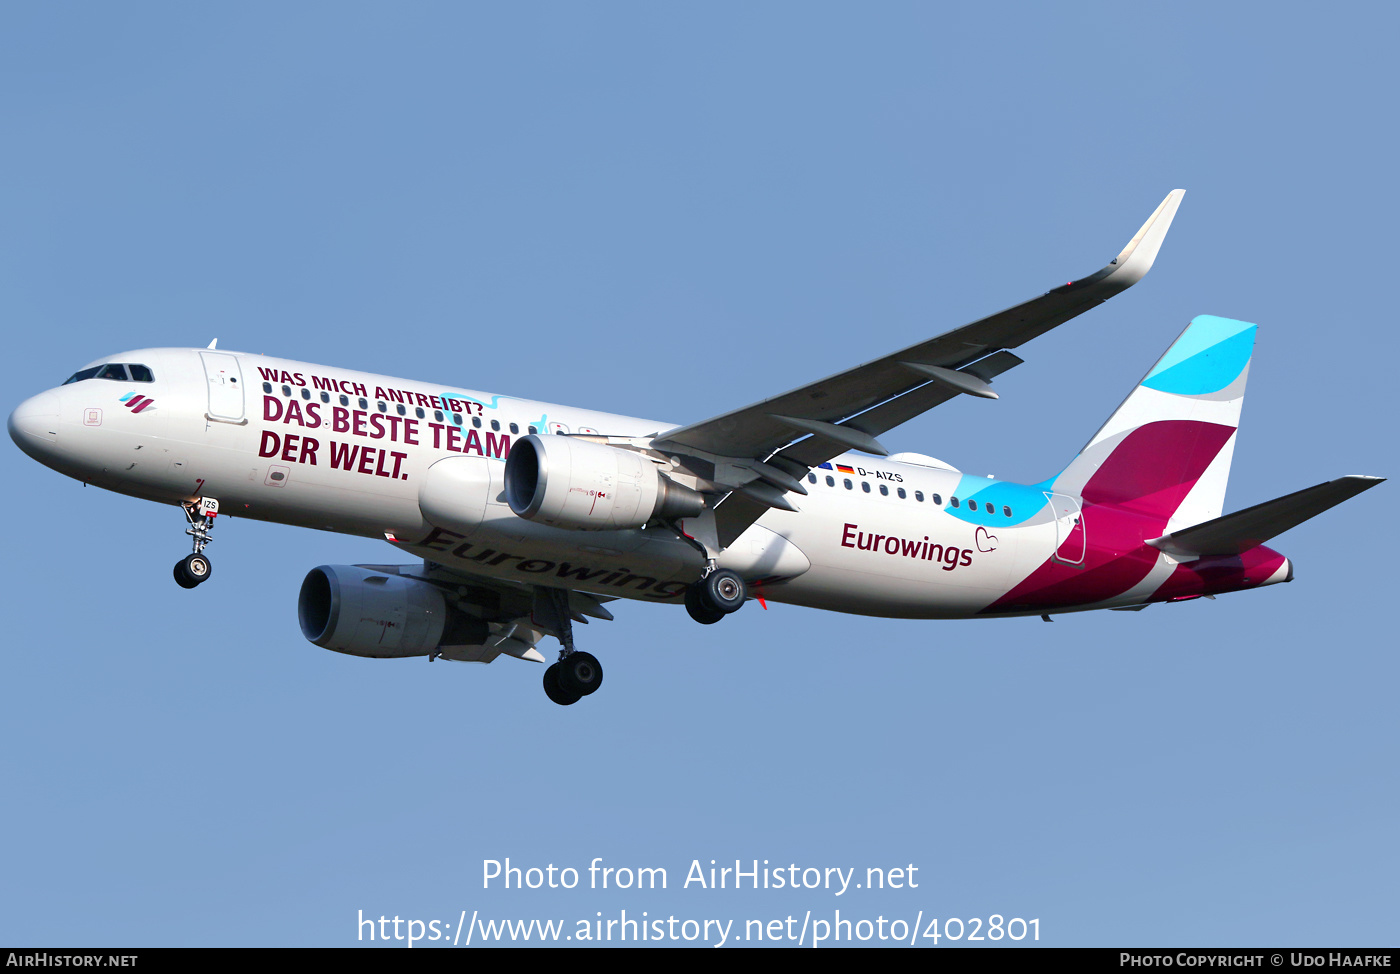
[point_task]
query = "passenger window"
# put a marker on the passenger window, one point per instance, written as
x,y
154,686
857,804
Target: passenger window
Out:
x,y
495,425
325,397
113,371
287,391
306,393
402,409
865,486
383,406
476,421
437,415
419,412
532,431
267,387
848,484
1006,510
954,502
514,428
139,373
831,481
919,496
457,418
345,400
900,492
884,490
972,505
937,499
811,478
364,403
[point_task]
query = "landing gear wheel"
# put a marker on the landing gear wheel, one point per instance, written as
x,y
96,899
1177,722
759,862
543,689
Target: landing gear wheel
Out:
x,y
701,613
198,568
181,579
580,673
554,691
192,570
723,591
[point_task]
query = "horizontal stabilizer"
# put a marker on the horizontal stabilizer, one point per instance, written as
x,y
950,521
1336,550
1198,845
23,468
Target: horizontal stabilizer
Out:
x,y
1238,532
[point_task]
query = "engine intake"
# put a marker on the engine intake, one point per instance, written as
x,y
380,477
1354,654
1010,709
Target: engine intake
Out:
x,y
572,483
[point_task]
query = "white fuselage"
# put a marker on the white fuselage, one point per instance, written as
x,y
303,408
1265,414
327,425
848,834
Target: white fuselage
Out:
x,y
345,451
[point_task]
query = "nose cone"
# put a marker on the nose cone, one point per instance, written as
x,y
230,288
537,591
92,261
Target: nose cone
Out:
x,y
34,425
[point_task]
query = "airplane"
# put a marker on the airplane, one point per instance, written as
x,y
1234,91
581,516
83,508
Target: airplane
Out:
x,y
529,517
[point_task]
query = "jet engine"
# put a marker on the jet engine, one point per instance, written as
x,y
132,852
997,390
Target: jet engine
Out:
x,y
369,613
573,483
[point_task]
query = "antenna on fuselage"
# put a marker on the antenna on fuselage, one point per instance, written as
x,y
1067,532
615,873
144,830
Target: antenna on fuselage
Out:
x,y
213,344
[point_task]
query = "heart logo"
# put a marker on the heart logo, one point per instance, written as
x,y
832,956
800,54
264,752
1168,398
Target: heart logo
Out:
x,y
986,541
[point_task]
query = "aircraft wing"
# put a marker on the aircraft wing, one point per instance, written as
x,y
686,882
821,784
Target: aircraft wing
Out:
x,y
848,410
512,617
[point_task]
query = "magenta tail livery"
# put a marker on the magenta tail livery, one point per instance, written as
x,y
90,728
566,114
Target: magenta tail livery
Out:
x,y
529,516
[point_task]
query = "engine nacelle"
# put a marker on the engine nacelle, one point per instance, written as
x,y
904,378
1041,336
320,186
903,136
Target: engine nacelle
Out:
x,y
367,613
572,483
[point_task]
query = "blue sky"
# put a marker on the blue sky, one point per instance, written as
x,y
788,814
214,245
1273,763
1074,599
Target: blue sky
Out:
x,y
669,212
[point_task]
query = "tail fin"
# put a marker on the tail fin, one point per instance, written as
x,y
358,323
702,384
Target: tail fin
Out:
x,y
1166,451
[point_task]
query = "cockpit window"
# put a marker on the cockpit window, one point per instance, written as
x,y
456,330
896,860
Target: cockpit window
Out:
x,y
116,371
84,374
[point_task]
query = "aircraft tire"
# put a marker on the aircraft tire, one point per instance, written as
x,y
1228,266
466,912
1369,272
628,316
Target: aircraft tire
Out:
x,y
182,577
197,568
554,691
700,612
579,673
724,591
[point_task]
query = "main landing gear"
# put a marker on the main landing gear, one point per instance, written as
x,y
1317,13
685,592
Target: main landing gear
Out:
x,y
194,569
715,596
719,591
574,677
576,674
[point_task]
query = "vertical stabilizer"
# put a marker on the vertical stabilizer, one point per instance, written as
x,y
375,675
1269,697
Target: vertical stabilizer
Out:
x,y
1166,451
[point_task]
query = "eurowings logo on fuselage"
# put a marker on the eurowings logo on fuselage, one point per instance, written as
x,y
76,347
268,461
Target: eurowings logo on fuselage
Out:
x,y
947,557
136,402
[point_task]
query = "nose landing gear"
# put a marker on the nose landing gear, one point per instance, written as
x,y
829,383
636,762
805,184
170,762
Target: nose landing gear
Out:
x,y
194,569
191,570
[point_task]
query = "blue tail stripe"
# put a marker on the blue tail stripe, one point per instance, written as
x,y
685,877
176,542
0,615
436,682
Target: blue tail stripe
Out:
x,y
1203,332
1206,370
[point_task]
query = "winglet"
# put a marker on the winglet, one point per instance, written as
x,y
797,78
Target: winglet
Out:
x,y
1135,260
